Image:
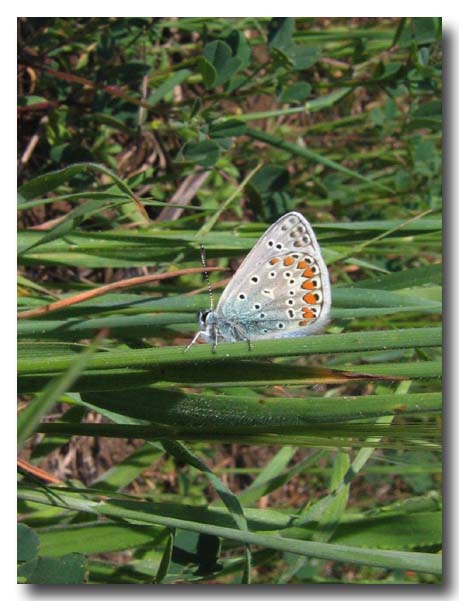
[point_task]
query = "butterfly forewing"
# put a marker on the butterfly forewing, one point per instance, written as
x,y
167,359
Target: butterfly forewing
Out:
x,y
282,288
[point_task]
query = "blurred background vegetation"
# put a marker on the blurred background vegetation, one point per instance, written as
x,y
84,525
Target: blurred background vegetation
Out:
x,y
305,461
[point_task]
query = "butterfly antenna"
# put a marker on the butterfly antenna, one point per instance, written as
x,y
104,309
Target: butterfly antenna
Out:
x,y
206,275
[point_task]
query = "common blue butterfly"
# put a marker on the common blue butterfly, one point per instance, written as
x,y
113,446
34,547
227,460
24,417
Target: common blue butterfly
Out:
x,y
281,289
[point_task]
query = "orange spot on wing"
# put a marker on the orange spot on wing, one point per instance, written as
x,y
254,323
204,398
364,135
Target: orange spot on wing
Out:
x,y
289,261
308,273
303,322
302,265
307,313
310,298
274,261
308,285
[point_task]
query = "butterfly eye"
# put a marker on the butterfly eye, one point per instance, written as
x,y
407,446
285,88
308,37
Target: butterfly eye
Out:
x,y
202,318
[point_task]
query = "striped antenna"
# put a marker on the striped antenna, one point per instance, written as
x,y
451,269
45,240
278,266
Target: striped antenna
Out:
x,y
206,275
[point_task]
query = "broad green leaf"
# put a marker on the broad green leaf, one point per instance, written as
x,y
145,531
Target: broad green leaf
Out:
x,y
208,71
297,92
219,55
27,543
240,47
67,569
304,57
280,33
227,128
95,537
204,153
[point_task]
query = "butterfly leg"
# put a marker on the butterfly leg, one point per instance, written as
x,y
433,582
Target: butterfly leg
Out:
x,y
214,345
195,339
240,335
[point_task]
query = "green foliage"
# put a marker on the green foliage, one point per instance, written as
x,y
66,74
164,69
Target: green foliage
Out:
x,y
203,153
28,543
34,568
314,460
218,65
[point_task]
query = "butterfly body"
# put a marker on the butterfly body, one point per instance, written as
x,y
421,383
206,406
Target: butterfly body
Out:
x,y
281,289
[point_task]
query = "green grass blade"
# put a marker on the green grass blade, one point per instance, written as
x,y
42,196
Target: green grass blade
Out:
x,y
141,512
306,153
424,337
29,418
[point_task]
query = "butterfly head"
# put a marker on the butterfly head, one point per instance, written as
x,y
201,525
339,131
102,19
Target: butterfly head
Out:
x,y
203,318
207,325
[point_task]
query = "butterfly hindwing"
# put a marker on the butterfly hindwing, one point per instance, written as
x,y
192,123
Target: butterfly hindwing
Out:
x,y
282,287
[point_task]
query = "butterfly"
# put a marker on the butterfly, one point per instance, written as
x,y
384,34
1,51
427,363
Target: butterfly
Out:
x,y
280,290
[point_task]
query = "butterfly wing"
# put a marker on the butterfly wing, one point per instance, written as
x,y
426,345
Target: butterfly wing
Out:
x,y
282,288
